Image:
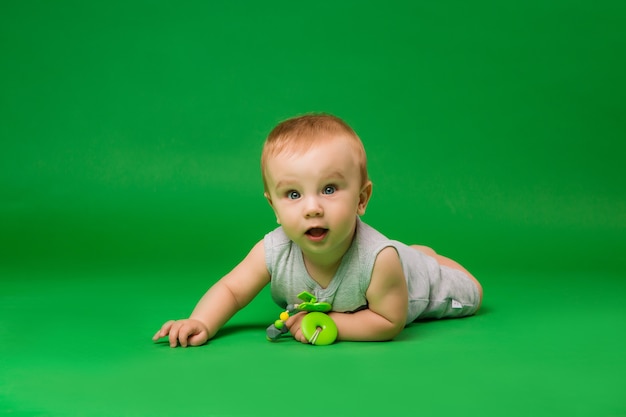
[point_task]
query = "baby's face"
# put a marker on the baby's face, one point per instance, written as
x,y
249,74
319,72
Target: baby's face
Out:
x,y
316,195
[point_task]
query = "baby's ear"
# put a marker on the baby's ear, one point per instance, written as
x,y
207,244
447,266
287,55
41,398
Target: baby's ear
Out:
x,y
269,200
364,197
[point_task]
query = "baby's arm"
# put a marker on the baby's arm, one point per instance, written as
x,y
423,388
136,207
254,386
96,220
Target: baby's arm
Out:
x,y
387,297
230,294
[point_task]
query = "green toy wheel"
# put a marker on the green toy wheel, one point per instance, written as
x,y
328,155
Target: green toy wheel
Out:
x,y
319,329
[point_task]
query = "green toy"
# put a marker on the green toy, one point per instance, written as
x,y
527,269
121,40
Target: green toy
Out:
x,y
318,328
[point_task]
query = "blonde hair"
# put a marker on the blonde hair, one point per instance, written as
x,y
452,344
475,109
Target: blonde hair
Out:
x,y
301,133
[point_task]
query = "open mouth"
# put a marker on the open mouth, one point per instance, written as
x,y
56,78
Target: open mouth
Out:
x,y
316,232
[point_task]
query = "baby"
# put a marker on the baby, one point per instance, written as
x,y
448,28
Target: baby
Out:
x,y
314,170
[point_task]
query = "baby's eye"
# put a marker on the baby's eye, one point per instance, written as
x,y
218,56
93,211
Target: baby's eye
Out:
x,y
329,189
293,195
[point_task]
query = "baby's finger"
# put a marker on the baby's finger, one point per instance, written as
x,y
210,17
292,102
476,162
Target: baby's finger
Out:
x,y
183,335
198,338
174,334
164,330
294,319
299,336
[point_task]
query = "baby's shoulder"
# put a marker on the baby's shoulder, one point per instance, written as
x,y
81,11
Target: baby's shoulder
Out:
x,y
276,237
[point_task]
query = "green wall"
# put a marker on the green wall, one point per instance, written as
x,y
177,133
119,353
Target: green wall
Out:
x,y
131,131
130,135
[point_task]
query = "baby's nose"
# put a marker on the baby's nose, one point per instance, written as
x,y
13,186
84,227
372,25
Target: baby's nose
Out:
x,y
313,208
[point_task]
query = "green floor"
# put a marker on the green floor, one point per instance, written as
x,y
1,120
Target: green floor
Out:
x,y
78,344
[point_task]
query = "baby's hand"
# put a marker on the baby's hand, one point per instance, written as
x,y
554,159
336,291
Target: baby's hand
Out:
x,y
187,332
293,324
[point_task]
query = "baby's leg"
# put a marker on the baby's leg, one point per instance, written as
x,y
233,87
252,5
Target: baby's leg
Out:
x,y
442,260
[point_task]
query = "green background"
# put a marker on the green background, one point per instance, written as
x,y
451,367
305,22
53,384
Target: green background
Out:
x,y
129,182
